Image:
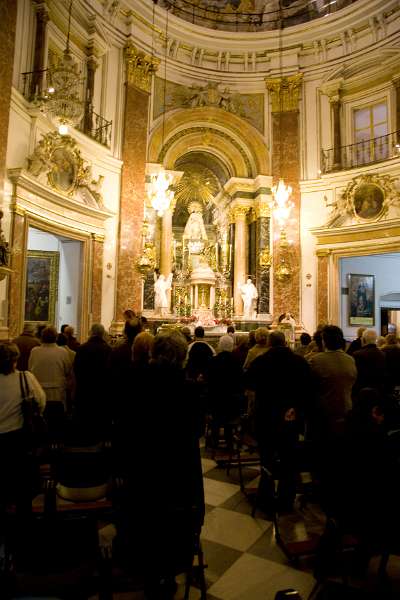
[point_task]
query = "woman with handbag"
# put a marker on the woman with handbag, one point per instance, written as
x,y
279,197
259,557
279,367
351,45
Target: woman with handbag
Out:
x,y
16,389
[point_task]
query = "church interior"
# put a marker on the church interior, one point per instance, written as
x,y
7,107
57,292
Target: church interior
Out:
x,y
205,164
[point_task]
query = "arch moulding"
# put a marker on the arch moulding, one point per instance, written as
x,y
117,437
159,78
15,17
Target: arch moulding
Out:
x,y
243,147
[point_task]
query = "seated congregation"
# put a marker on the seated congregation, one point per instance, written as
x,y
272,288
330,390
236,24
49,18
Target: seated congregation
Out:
x,y
108,437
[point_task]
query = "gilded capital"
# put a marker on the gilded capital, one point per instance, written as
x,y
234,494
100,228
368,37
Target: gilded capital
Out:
x,y
239,213
284,92
139,67
262,210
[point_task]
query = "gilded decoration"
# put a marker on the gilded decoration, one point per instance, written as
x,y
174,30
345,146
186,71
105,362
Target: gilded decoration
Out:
x,y
239,212
59,159
284,92
262,211
367,198
265,258
139,67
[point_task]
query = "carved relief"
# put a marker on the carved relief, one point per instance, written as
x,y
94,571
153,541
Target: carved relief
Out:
x,y
367,198
59,159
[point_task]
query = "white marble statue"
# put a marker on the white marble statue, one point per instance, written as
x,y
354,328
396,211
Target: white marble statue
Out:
x,y
161,287
249,294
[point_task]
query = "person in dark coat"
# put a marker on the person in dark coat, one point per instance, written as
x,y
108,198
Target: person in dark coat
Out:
x,y
163,499
282,384
356,344
370,363
92,399
25,342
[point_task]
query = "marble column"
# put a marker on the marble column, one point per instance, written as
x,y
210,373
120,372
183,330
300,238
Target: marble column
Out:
x,y
396,82
263,259
335,107
284,95
166,242
139,68
239,214
39,57
91,66
97,251
18,235
322,287
7,43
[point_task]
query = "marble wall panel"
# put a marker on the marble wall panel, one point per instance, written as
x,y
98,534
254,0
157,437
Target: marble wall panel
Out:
x,y
148,292
286,164
97,279
129,283
263,273
8,9
322,289
16,279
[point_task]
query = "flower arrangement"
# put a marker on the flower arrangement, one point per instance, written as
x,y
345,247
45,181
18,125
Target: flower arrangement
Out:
x,y
225,321
187,320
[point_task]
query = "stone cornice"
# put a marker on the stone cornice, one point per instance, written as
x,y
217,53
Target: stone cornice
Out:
x,y
63,204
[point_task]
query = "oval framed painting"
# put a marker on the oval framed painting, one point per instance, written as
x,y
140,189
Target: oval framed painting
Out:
x,y
368,201
63,170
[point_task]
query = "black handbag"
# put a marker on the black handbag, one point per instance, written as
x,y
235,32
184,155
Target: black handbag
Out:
x,y
34,423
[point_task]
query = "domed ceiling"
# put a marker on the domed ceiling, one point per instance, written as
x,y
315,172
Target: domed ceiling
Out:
x,y
251,15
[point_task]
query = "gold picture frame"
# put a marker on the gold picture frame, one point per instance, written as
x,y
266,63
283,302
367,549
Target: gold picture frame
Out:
x,y
41,289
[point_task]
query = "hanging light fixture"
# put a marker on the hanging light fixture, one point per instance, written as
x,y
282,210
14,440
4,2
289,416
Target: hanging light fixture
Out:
x,y
281,205
62,100
158,189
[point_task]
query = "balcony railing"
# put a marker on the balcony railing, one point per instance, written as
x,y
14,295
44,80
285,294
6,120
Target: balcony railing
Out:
x,y
96,127
361,154
33,88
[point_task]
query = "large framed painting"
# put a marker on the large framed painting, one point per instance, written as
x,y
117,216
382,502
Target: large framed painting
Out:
x,y
361,300
41,286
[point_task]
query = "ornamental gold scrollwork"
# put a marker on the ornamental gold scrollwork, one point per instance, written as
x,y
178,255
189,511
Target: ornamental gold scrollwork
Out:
x,y
284,92
139,67
265,258
59,157
366,198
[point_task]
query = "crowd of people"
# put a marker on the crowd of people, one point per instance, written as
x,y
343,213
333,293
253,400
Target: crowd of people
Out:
x,y
326,407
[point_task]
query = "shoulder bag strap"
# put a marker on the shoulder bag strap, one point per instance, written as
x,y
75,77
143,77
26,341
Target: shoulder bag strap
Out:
x,y
21,385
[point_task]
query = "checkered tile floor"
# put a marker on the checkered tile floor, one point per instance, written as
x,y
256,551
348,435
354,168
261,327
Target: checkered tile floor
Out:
x,y
244,561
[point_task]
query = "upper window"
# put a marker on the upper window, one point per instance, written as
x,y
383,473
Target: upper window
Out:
x,y
370,133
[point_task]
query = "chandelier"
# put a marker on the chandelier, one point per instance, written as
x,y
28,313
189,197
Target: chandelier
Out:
x,y
63,101
158,191
281,205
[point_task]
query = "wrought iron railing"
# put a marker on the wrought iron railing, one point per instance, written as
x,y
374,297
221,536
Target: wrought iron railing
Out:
x,y
33,88
96,127
361,154
32,84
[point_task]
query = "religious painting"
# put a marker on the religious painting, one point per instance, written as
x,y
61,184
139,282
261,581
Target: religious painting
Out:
x,y
63,173
361,300
368,201
41,286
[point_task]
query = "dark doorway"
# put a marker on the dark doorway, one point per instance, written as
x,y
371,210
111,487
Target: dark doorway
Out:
x,y
390,319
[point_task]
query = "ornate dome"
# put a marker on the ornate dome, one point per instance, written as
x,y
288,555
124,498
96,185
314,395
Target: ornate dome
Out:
x,y
251,15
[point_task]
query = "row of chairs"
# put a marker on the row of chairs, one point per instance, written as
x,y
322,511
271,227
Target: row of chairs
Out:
x,y
58,550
